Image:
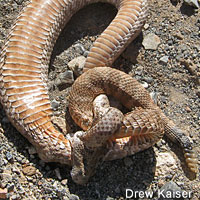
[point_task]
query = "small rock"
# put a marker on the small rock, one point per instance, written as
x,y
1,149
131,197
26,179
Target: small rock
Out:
x,y
145,84
109,198
32,150
154,96
151,41
15,197
146,26
117,190
77,65
65,78
198,93
42,163
16,170
64,182
9,156
164,59
10,187
57,171
65,198
169,177
39,183
61,192
188,109
3,193
197,47
55,104
6,176
128,162
79,48
179,35
179,183
29,170
73,197
148,79
47,168
193,3
85,54
170,42
5,120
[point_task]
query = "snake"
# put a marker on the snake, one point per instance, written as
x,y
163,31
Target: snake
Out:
x,y
107,132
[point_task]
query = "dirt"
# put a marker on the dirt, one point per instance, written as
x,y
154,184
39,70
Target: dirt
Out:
x,y
176,82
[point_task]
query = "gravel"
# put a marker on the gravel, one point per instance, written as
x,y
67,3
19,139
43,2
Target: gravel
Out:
x,y
177,26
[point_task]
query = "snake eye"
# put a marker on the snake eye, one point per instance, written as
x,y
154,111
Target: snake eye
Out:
x,y
85,124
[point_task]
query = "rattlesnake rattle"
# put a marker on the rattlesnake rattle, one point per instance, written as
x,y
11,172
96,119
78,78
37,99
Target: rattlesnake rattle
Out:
x,y
24,94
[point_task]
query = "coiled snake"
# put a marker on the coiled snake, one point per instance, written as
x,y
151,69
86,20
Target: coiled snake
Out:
x,y
107,132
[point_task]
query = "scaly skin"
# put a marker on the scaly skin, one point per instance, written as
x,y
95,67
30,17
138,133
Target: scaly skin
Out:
x,y
24,65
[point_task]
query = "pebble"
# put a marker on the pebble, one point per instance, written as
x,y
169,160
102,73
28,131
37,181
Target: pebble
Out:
x,y
79,48
55,104
64,182
29,170
109,198
148,79
9,156
117,190
32,150
85,54
5,120
15,197
198,92
146,26
145,84
164,59
57,172
192,3
179,35
10,187
154,96
65,78
77,65
151,41
65,198
6,176
169,177
128,162
73,197
179,183
42,163
61,192
16,170
188,109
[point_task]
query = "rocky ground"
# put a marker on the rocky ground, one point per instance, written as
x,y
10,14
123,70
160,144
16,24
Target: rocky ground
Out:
x,y
166,57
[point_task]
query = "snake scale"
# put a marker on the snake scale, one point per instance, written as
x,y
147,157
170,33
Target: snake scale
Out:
x,y
107,132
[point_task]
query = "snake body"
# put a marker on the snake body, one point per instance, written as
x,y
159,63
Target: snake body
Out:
x,y
23,81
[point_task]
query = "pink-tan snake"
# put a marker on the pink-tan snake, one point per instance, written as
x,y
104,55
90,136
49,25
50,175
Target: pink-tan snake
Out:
x,y
24,94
